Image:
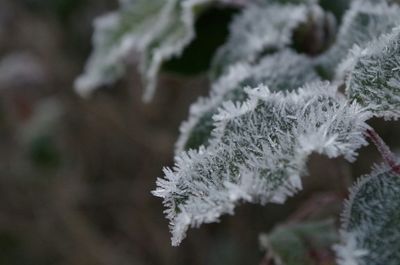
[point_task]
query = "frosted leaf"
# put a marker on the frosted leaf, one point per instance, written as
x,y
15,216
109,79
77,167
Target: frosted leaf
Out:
x,y
363,22
374,75
283,71
259,28
157,29
370,222
259,153
292,244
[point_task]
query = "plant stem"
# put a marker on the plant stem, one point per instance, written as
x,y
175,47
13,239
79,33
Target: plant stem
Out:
x,y
384,150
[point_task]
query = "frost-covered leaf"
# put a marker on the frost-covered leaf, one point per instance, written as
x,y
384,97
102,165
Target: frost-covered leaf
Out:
x,y
370,222
363,22
301,243
283,71
258,29
374,75
258,153
157,29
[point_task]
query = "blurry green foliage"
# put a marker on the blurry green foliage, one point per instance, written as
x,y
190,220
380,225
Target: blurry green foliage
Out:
x,y
11,251
44,152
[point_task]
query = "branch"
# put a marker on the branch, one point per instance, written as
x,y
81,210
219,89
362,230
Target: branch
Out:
x,y
384,150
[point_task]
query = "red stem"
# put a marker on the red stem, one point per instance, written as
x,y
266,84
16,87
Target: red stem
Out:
x,y
384,150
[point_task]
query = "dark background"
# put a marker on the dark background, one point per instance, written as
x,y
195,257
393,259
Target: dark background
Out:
x,y
76,174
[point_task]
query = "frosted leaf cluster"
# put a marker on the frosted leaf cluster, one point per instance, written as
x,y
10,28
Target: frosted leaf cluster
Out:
x,y
363,22
157,29
269,109
374,75
259,152
283,71
370,222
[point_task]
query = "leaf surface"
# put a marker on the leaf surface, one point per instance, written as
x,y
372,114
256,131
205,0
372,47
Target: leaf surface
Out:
x,y
259,152
283,71
374,75
259,29
370,225
301,243
363,22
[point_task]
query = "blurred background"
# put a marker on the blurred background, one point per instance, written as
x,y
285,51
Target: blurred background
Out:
x,y
76,174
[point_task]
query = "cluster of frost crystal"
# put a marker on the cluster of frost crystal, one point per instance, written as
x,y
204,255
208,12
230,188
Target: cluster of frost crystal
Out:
x,y
370,221
283,71
260,28
348,252
259,152
363,22
374,75
157,29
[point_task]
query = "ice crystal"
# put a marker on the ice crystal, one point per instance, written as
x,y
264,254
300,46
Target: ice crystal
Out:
x,y
258,29
283,71
374,75
363,22
259,152
348,252
370,222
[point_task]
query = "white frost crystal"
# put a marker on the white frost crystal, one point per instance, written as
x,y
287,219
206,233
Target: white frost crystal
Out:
x,y
363,22
259,152
348,252
260,28
370,222
283,71
374,75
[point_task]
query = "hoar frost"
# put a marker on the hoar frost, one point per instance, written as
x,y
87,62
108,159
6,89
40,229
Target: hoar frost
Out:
x,y
259,28
374,75
370,221
259,152
283,71
363,22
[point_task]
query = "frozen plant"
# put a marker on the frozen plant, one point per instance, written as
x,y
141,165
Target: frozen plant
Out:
x,y
271,105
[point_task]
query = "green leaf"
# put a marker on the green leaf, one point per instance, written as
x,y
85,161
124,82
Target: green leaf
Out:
x,y
363,22
370,222
374,75
259,152
300,243
157,29
259,29
283,71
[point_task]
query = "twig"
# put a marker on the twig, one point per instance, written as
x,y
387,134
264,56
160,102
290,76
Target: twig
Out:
x,y
267,259
384,150
314,206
